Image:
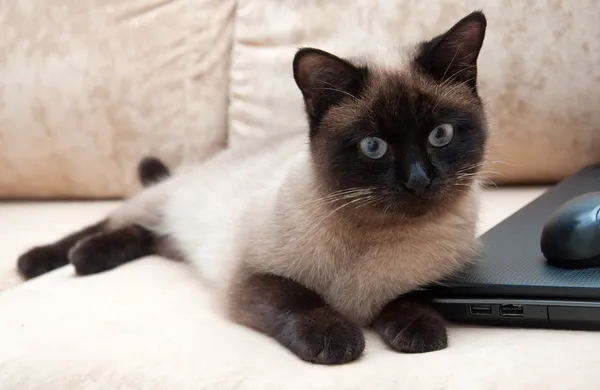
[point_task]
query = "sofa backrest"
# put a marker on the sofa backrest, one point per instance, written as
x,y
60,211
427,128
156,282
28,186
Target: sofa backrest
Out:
x,y
89,87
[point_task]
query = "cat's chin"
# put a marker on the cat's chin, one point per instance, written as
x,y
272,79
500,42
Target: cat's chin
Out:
x,y
409,207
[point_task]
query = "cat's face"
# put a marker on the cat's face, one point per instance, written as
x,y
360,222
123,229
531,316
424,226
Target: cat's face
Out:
x,y
410,140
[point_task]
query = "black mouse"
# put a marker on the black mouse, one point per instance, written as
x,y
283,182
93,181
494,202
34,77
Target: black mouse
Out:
x,y
571,236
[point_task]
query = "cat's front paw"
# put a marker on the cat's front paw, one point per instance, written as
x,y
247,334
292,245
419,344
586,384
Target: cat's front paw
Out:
x,y
412,328
324,337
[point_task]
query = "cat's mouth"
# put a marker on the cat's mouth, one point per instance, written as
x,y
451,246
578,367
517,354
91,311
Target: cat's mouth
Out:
x,y
414,205
394,202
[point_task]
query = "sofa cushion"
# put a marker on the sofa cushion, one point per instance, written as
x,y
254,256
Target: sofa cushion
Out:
x,y
89,87
152,325
539,73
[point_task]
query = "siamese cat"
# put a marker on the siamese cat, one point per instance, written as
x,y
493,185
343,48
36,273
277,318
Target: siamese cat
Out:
x,y
309,237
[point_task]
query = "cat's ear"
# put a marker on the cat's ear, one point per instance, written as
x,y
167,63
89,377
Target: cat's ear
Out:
x,y
325,79
453,55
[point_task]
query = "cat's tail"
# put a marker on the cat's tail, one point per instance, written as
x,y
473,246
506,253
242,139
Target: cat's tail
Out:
x,y
151,170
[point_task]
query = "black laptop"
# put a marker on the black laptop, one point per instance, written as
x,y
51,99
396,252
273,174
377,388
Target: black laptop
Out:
x,y
512,284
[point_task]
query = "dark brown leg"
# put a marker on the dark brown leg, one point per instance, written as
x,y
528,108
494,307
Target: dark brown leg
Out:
x,y
109,249
42,259
296,317
409,325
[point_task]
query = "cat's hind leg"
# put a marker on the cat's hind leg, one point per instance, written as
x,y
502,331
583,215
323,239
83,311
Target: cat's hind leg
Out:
x,y
91,250
42,259
114,241
110,248
106,244
129,233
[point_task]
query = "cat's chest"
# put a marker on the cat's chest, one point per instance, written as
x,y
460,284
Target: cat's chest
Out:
x,y
359,281
361,286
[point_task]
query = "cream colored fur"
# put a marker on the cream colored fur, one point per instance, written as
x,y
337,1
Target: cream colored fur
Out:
x,y
264,210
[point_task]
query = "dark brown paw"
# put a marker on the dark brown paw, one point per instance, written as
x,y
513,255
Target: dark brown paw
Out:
x,y
92,255
41,259
413,328
107,250
323,337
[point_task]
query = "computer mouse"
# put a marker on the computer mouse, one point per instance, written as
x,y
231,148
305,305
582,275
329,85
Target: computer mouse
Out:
x,y
571,236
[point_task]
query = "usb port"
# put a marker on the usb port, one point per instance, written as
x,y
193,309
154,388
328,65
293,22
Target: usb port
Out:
x,y
511,310
480,310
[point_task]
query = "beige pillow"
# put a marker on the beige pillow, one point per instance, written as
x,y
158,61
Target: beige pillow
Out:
x,y
539,70
89,87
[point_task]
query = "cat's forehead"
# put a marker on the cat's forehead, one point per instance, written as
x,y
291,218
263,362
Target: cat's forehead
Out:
x,y
409,89
398,96
401,95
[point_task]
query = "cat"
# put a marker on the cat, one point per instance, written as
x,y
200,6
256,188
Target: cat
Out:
x,y
310,237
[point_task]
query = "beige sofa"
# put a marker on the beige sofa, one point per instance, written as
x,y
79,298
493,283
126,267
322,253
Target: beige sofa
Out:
x,y
87,88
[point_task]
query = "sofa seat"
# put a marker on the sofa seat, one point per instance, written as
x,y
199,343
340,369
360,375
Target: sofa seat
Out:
x,y
151,325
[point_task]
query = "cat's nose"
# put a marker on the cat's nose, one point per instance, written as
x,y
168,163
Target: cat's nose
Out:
x,y
417,181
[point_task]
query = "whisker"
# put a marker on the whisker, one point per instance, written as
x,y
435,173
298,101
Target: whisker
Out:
x,y
332,88
452,60
337,195
318,224
450,79
460,85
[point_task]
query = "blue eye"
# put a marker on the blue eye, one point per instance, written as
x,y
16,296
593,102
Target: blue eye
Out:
x,y
441,135
373,147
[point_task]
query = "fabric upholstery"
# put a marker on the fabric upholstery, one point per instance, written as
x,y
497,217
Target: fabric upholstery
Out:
x,y
151,325
89,87
539,70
